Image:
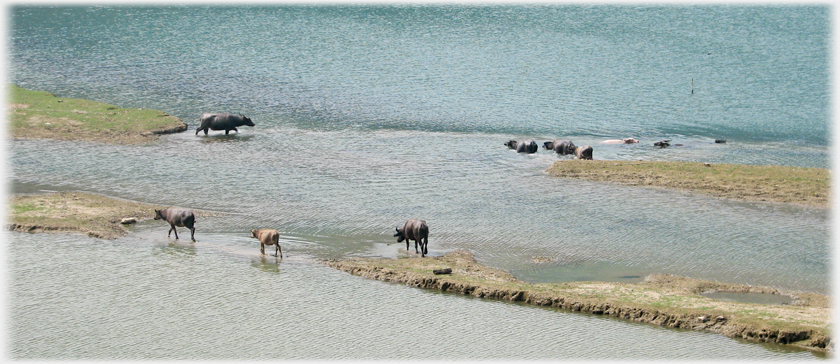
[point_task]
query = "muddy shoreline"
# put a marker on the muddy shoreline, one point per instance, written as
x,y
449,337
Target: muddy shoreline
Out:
x,y
662,300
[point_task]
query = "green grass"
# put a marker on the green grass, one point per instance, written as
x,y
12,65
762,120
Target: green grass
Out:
x,y
42,115
796,185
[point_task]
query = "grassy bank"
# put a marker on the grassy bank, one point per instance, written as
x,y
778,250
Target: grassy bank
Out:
x,y
663,300
42,115
794,185
76,212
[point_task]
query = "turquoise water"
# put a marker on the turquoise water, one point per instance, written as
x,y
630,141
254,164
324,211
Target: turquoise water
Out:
x,y
369,115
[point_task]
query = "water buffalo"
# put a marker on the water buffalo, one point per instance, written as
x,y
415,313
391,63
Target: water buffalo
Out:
x,y
268,237
177,217
223,121
523,145
416,230
583,152
621,141
560,146
662,143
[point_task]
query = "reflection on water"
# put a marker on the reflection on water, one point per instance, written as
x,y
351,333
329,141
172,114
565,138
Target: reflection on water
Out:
x,y
176,249
222,138
267,264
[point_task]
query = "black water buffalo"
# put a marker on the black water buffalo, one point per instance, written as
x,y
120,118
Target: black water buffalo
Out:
x,y
268,237
416,230
223,121
560,146
583,152
523,145
662,143
177,217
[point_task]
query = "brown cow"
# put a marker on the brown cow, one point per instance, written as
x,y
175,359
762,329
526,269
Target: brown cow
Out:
x,y
268,237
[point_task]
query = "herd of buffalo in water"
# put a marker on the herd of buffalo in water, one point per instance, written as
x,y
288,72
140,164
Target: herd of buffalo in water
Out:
x,y
413,229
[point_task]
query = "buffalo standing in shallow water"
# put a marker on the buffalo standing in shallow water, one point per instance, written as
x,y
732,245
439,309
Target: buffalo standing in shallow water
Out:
x,y
268,237
177,217
523,145
583,152
223,121
560,146
416,230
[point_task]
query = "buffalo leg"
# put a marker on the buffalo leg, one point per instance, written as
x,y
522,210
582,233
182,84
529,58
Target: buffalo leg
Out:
x,y
425,246
262,248
278,252
415,245
227,131
192,234
175,230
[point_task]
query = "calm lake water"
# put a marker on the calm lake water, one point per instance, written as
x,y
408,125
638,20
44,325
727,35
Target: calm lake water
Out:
x,y
369,115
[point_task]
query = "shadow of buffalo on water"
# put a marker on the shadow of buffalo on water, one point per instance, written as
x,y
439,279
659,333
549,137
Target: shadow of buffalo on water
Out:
x,y
267,264
176,249
221,138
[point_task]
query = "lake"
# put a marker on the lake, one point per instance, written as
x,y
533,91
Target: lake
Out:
x,y
369,115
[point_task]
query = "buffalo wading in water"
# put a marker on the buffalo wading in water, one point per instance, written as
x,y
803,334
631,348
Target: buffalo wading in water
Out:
x,y
268,237
416,230
583,152
621,141
177,217
560,146
523,145
223,121
662,143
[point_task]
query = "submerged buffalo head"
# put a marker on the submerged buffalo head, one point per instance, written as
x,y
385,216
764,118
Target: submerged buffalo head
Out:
x,y
400,234
548,145
511,144
246,120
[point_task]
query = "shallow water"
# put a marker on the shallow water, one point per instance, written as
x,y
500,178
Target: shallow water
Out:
x,y
369,115
154,298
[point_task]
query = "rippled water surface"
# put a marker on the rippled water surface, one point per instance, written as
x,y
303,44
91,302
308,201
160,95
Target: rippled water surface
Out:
x,y
369,115
153,298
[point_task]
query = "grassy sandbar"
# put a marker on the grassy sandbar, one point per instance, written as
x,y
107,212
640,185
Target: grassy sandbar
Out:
x,y
793,185
78,212
663,300
42,115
